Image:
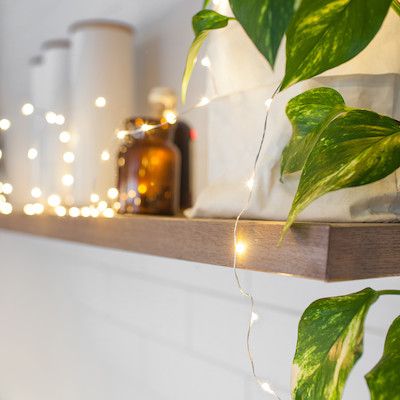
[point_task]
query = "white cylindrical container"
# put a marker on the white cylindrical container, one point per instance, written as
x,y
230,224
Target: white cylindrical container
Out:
x,y
102,97
36,123
52,96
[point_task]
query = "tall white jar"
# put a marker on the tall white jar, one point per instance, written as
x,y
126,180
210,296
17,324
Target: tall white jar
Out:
x,y
101,98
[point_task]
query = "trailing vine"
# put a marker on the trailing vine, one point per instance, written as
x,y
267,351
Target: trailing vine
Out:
x,y
333,146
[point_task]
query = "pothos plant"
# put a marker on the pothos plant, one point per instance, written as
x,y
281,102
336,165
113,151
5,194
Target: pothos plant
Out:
x,y
334,146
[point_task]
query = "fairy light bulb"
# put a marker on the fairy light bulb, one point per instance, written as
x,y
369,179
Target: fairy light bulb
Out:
x,y
51,117
60,211
64,137
206,62
6,208
112,193
28,209
250,183
67,180
108,213
54,200
36,192
94,198
85,212
38,208
32,153
69,157
121,134
74,212
27,109
268,104
266,387
146,127
170,117
7,188
1,154
203,102
240,248
105,155
102,206
254,317
5,124
60,119
100,102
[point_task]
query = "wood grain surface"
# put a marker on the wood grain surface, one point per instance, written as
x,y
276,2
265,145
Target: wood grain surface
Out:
x,y
330,252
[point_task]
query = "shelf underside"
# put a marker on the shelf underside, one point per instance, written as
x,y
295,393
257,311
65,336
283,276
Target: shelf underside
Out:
x,y
330,252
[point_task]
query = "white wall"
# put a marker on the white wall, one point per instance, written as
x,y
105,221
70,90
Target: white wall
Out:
x,y
85,323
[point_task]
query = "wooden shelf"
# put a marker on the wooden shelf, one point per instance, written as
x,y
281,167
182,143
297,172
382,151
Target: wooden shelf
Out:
x,y
330,252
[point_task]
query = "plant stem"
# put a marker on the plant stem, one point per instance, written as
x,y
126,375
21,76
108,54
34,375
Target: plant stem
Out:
x,y
393,291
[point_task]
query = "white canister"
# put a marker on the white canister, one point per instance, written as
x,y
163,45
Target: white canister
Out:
x,y
101,98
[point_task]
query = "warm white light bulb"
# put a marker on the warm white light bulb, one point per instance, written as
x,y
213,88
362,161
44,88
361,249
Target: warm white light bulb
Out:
x,y
250,183
170,117
203,102
32,153
206,62
60,119
254,317
105,155
5,124
266,387
74,212
67,180
36,192
108,213
268,104
54,200
51,117
64,137
121,134
38,208
94,198
102,206
60,211
85,212
112,193
6,208
1,154
240,248
69,157
27,109
146,127
29,209
100,102
7,188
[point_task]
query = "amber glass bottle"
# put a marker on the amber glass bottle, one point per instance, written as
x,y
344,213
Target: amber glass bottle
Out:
x,y
149,167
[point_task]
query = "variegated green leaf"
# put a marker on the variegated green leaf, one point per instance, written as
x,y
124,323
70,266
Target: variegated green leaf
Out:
x,y
396,6
203,22
326,33
356,148
265,21
384,379
309,113
330,341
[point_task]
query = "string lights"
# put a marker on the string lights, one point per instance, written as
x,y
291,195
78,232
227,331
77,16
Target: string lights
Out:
x,y
99,207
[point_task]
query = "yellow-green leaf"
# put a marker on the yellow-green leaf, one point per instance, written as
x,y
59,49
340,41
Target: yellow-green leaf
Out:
x,y
326,33
330,341
308,112
265,21
384,379
396,6
356,148
203,22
